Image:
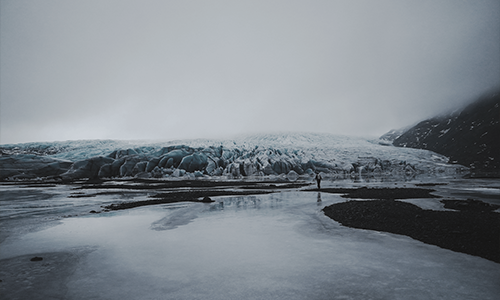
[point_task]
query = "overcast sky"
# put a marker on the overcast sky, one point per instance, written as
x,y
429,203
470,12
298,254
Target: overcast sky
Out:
x,y
117,69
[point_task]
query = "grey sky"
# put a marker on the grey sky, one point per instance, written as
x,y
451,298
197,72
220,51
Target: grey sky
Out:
x,y
206,69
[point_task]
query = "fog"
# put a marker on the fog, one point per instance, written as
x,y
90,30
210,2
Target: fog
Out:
x,y
117,69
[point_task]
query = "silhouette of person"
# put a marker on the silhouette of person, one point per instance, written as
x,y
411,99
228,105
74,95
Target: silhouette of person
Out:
x,y
318,180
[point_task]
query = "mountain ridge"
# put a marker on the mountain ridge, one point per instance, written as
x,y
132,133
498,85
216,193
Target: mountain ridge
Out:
x,y
469,136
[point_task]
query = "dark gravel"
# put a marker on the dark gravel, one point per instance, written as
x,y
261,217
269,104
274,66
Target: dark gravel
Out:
x,y
472,231
381,193
202,196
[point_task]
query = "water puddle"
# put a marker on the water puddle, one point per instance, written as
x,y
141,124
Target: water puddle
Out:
x,y
277,246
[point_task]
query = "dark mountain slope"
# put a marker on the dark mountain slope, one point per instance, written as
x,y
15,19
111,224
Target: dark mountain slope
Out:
x,y
470,137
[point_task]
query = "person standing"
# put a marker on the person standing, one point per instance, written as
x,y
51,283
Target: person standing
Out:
x,y
318,180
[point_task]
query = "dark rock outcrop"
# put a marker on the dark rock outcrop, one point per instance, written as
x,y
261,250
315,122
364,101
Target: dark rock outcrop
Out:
x,y
36,258
470,137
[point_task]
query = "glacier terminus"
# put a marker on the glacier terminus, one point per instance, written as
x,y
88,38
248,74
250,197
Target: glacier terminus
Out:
x,y
289,155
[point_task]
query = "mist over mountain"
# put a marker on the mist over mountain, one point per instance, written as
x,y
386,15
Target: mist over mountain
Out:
x,y
469,136
442,145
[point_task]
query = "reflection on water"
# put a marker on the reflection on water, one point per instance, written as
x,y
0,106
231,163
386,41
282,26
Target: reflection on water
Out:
x,y
276,246
178,217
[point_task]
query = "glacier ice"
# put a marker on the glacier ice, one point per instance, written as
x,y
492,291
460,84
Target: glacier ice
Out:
x,y
251,155
29,166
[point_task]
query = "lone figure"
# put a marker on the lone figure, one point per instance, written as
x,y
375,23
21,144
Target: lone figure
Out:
x,y
318,180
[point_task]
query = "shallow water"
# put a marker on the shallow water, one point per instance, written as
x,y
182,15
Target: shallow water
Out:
x,y
277,246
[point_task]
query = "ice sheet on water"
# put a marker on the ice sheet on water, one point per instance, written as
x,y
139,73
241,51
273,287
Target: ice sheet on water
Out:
x,y
276,246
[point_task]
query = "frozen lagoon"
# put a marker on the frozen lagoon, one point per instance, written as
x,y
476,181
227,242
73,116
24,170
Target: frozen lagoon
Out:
x,y
275,246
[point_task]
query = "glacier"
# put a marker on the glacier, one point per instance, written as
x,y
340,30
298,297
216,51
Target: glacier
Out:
x,y
289,155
